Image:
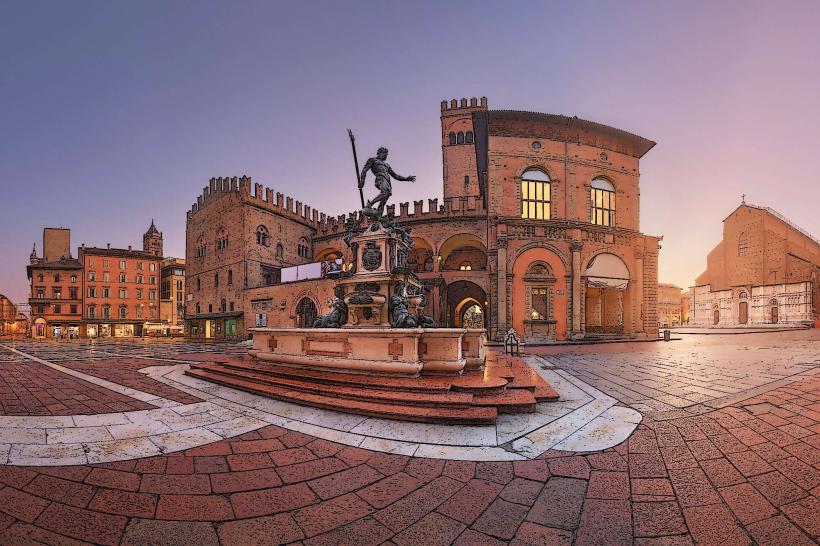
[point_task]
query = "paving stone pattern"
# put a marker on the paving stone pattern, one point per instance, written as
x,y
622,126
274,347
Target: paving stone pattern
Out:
x,y
747,473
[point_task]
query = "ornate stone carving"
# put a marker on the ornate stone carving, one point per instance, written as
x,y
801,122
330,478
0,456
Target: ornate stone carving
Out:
x,y
371,256
576,246
338,316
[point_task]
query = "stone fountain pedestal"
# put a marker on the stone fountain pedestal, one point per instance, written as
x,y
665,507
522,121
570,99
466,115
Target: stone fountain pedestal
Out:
x,y
381,327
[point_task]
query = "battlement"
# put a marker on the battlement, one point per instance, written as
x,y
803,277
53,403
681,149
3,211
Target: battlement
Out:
x,y
260,196
457,107
451,208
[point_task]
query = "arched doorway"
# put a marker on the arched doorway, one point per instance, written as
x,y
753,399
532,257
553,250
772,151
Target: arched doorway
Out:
x,y
461,297
775,312
742,308
305,313
716,314
607,281
473,316
420,257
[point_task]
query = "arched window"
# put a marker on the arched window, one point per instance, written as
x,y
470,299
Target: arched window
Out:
x,y
57,277
535,195
280,251
602,202
216,280
460,138
40,277
210,307
743,244
198,284
305,313
469,137
262,236
92,311
123,311
302,248
106,311
198,309
223,305
230,277
452,138
466,266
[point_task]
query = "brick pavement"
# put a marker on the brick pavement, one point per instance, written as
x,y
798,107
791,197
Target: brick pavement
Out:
x,y
746,473
29,388
742,474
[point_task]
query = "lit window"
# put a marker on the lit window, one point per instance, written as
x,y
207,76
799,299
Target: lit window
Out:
x,y
602,202
540,304
535,195
466,266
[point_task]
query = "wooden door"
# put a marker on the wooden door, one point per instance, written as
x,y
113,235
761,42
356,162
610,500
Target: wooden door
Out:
x,y
774,315
743,312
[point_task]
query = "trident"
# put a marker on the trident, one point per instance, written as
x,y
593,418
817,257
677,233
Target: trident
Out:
x,y
356,161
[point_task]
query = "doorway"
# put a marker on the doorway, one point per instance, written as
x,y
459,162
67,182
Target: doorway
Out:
x,y
743,312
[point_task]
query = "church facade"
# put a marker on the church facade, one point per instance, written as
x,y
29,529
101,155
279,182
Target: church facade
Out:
x,y
538,230
765,271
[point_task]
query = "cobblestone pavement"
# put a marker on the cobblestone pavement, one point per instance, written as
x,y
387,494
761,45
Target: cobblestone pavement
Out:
x,y
745,471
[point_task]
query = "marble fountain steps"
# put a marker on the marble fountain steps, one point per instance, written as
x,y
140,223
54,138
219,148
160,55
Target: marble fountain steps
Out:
x,y
507,385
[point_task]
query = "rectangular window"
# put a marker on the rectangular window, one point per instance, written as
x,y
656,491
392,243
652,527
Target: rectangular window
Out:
x,y
122,264
152,267
106,312
139,293
73,309
106,276
57,309
540,310
92,276
72,293
179,296
106,292
139,266
139,279
139,311
91,311
92,292
152,280
535,200
122,277
73,278
123,294
602,207
152,294
105,262
41,294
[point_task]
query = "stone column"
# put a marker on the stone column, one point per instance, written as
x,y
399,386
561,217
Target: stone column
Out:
x,y
436,265
639,294
575,247
501,279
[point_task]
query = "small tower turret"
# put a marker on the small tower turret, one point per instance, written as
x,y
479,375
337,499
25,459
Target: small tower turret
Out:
x,y
32,258
152,240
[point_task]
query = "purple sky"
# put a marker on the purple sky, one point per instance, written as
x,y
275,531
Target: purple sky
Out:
x,y
113,113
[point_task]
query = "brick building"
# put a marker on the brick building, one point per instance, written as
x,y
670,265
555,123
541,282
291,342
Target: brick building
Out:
x,y
670,308
765,270
56,287
104,292
172,294
538,230
12,322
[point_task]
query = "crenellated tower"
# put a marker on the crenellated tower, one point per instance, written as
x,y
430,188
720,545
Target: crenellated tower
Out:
x,y
459,139
152,240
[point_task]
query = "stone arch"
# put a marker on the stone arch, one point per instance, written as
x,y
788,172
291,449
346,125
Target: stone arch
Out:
x,y
305,311
458,294
420,257
555,292
619,255
460,247
540,244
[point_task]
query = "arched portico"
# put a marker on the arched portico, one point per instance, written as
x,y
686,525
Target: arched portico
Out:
x,y
606,299
461,295
464,252
538,305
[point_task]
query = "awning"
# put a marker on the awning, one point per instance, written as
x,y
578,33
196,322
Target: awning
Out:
x,y
607,271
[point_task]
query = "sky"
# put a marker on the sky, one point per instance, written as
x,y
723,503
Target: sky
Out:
x,y
116,113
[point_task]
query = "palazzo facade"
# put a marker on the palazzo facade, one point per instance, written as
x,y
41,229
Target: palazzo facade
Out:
x,y
765,271
538,230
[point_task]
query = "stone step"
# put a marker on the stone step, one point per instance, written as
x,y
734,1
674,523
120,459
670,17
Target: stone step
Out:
x,y
479,384
465,416
430,399
509,401
331,377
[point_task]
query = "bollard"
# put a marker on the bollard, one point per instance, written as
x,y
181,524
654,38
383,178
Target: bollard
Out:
x,y
667,335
